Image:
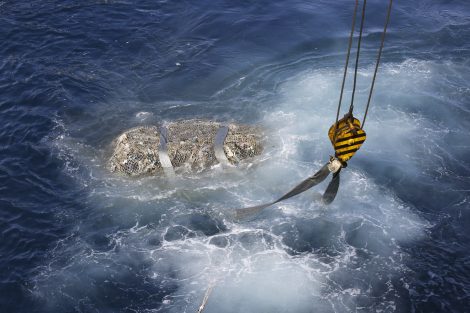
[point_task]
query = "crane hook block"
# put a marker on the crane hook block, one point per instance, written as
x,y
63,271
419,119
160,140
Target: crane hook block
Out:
x,y
347,137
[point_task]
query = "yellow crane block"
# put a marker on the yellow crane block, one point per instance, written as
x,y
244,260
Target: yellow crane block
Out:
x,y
348,139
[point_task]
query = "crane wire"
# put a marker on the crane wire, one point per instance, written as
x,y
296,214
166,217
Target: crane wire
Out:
x,y
346,66
351,107
378,61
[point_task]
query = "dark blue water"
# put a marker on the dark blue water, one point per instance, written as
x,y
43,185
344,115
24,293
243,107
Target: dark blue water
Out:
x,y
75,238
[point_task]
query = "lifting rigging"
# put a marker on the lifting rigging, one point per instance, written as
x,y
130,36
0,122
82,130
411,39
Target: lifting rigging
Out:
x,y
346,134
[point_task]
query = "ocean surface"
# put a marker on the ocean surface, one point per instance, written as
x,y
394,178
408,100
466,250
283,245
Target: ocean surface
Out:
x,y
76,238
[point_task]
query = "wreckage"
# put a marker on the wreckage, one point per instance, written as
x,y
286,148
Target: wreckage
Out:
x,y
193,145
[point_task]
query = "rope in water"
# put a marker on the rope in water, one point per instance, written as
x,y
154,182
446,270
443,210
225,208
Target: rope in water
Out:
x,y
206,297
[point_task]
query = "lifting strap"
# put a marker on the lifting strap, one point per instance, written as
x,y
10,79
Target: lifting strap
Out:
x,y
219,146
163,153
313,180
332,189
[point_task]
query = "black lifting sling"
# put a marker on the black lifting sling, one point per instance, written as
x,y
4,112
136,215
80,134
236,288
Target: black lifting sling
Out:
x,y
346,135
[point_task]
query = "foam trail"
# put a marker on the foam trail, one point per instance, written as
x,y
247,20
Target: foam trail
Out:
x,y
168,244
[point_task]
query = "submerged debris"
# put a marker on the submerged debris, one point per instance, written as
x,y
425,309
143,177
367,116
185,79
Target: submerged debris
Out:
x,y
190,144
136,152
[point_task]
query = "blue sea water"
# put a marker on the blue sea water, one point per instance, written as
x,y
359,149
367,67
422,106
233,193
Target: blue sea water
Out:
x,y
76,238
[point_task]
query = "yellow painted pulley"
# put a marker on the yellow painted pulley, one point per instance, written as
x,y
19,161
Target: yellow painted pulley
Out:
x,y
347,137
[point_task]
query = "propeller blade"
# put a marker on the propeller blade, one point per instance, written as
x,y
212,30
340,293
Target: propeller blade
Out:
x,y
332,189
313,180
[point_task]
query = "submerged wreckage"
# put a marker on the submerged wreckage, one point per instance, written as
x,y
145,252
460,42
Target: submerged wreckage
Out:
x,y
192,144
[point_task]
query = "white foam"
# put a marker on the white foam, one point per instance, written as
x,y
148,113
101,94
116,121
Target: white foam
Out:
x,y
258,270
